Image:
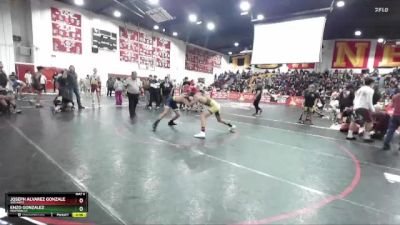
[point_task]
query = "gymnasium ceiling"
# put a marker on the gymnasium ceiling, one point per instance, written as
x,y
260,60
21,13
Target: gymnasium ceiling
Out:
x,y
232,27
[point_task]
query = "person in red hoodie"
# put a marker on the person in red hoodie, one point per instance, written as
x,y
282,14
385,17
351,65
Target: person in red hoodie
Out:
x,y
394,121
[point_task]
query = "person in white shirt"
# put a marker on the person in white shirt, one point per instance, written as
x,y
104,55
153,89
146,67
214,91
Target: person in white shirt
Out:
x,y
9,92
87,84
43,82
363,108
15,86
28,79
134,88
95,86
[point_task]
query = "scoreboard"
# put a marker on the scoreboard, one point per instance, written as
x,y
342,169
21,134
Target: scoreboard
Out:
x,y
60,204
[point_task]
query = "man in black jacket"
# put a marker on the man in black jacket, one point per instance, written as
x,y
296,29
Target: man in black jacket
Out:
x,y
73,84
155,94
3,77
152,81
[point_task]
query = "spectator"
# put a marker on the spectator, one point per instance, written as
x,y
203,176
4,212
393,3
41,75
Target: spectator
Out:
x,y
364,108
346,99
310,102
82,85
28,80
95,86
110,86
151,91
87,84
43,82
118,87
16,85
257,97
157,94
37,85
6,86
394,121
146,88
55,76
154,93
73,84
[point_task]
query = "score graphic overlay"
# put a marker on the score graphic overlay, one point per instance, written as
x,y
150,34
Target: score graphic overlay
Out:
x,y
63,204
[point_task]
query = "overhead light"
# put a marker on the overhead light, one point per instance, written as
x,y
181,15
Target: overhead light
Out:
x,y
245,6
79,2
229,53
210,26
163,30
117,13
192,18
236,44
199,22
174,34
260,16
357,33
156,27
340,4
244,13
246,51
153,2
381,40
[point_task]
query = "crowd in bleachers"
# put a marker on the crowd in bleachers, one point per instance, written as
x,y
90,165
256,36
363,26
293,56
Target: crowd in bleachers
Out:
x,y
295,82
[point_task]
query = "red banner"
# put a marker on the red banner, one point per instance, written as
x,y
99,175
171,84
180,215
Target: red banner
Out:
x,y
351,54
301,66
387,56
144,49
67,33
161,52
201,60
128,45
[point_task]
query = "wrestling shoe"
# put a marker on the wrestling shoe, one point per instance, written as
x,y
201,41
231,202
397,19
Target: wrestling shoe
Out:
x,y
201,135
386,147
232,128
351,138
155,124
261,111
13,110
172,123
368,140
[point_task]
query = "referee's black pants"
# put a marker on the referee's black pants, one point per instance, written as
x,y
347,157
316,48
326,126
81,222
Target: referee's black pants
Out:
x,y
133,101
